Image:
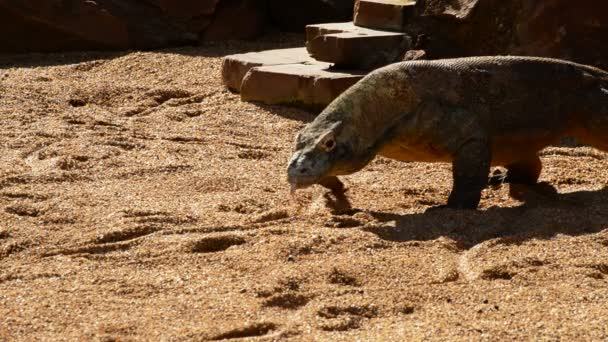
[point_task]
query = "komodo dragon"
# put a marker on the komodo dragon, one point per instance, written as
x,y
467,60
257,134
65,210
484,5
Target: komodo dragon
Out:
x,y
474,112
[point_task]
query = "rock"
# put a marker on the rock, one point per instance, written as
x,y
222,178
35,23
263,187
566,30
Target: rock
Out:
x,y
296,14
309,85
187,8
452,9
237,19
383,14
193,15
285,76
576,31
58,25
235,67
557,28
350,46
46,25
414,55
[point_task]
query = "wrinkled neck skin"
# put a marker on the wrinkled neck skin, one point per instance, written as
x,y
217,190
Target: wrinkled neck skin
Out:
x,y
369,111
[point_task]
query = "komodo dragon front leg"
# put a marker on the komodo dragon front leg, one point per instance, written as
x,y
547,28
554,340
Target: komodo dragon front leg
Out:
x,y
340,202
470,169
460,135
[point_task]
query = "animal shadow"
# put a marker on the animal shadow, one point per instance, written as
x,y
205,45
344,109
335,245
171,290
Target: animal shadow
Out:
x,y
575,213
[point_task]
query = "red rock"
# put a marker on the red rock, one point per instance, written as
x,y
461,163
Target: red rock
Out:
x,y
192,15
237,19
453,9
557,28
309,85
414,55
47,25
60,25
383,14
294,15
235,67
576,31
188,8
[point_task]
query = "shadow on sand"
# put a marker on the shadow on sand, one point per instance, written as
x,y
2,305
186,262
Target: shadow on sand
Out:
x,y
301,114
576,213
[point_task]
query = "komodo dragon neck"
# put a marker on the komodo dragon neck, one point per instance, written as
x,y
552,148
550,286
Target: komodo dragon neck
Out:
x,y
370,108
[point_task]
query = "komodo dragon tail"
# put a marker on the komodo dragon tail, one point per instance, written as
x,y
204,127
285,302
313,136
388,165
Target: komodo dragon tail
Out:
x,y
594,107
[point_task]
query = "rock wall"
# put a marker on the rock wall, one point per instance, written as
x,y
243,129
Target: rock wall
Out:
x,y
442,28
576,31
295,15
572,30
59,25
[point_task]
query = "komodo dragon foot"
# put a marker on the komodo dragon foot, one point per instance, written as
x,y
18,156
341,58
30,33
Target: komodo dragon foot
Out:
x,y
525,171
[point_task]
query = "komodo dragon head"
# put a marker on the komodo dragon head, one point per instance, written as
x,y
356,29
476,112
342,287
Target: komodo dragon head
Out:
x,y
347,134
323,149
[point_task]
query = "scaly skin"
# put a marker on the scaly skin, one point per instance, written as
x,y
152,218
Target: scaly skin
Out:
x,y
473,112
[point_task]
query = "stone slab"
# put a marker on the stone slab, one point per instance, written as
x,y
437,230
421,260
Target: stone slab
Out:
x,y
350,46
383,14
309,85
315,30
235,67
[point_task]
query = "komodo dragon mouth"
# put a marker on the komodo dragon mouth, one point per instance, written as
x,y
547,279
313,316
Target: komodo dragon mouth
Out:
x,y
301,183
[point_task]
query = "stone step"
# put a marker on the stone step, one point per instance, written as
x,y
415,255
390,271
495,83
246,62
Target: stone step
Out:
x,y
286,76
312,85
383,14
350,46
235,67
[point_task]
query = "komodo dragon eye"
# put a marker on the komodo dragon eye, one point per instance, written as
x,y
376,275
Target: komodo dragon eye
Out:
x,y
328,142
329,145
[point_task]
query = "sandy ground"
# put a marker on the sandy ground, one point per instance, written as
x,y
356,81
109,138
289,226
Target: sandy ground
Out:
x,y
140,200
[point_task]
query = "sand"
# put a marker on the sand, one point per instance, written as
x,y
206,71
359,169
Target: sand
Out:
x,y
140,200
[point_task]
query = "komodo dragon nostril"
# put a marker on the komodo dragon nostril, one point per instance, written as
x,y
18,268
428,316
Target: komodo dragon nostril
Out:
x,y
303,171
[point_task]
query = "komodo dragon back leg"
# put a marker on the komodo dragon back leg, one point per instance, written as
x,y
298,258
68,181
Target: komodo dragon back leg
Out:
x,y
470,169
525,171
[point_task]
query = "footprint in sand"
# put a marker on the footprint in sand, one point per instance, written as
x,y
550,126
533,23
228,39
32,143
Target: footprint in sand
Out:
x,y
472,269
214,244
247,331
339,277
286,294
342,318
126,234
289,300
